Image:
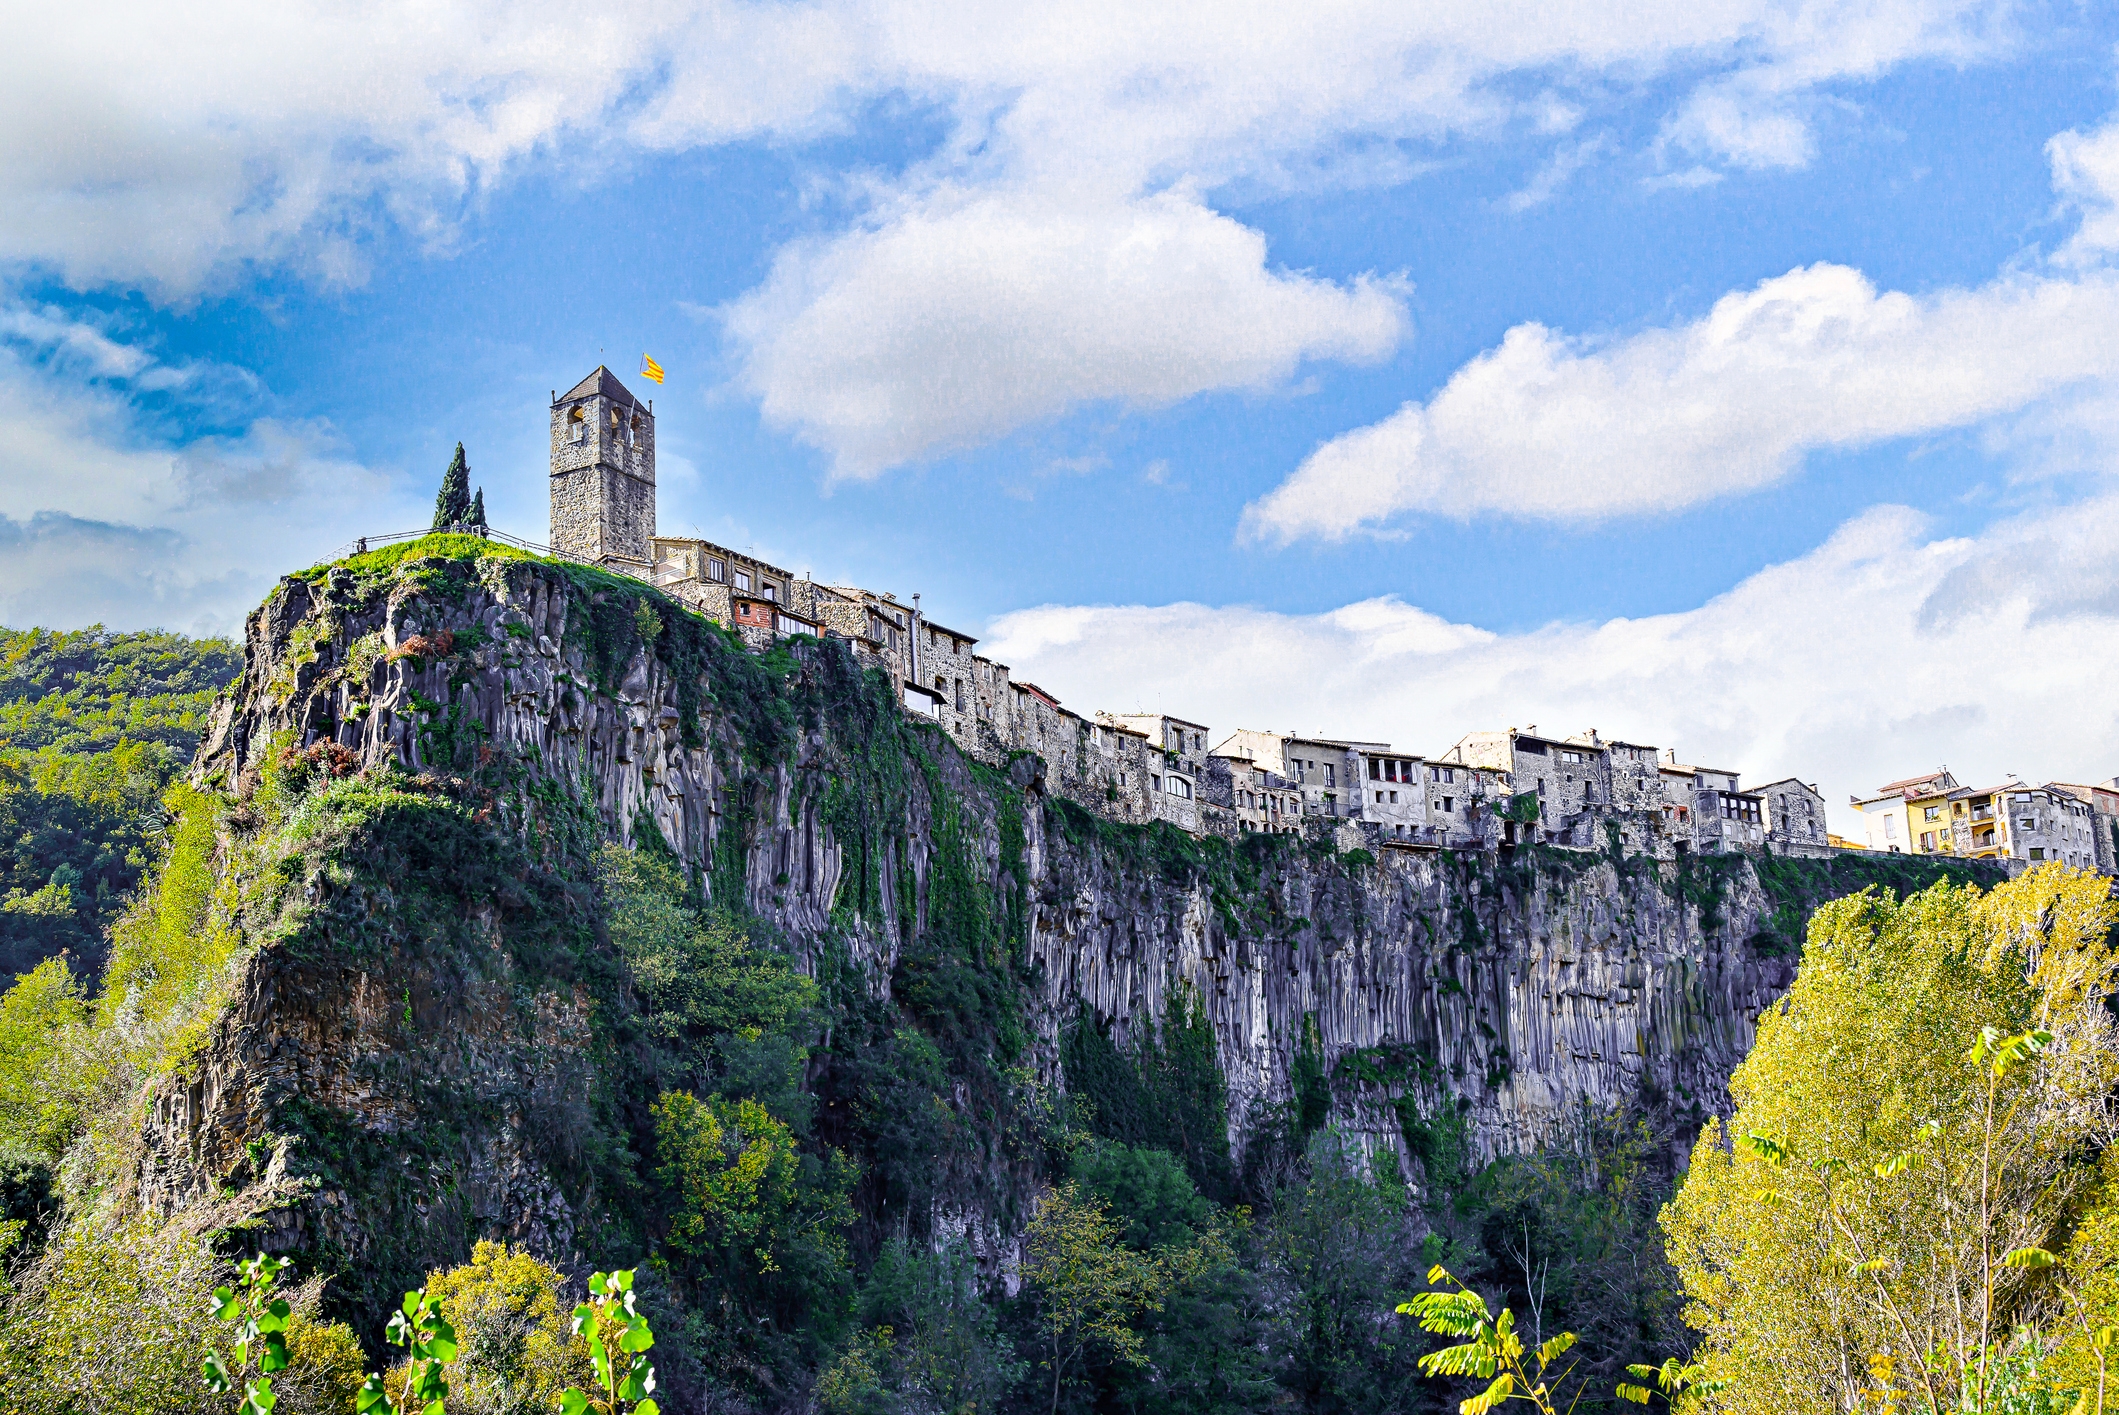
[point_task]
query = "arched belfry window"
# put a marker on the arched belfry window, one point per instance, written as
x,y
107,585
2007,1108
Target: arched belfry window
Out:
x,y
577,424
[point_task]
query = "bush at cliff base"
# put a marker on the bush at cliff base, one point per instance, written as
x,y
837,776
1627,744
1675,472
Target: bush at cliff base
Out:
x,y
1886,1219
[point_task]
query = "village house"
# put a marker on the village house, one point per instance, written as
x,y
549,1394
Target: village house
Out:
x,y
1491,788
1795,819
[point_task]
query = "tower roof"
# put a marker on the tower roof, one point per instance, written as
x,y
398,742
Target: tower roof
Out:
x,y
603,382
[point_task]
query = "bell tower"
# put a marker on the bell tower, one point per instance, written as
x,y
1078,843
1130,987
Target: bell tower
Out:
x,y
603,475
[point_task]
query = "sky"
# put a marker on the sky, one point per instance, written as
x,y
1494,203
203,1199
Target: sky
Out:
x,y
1739,376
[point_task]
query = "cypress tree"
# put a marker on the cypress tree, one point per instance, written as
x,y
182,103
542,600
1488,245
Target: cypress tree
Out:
x,y
453,505
478,509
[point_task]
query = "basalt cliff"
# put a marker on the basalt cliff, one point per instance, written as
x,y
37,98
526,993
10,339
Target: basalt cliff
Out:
x,y
427,1038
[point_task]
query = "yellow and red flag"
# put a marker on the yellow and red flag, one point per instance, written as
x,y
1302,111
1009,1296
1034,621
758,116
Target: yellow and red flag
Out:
x,y
650,369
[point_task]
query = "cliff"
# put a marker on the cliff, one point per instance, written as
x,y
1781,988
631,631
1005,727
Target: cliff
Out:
x,y
428,1037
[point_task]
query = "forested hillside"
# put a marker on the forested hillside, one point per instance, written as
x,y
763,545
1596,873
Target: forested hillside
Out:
x,y
94,725
515,923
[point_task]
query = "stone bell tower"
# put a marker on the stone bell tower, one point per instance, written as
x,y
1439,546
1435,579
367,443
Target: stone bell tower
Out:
x,y
603,475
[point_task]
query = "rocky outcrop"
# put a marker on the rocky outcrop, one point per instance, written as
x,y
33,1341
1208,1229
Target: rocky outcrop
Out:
x,y
534,708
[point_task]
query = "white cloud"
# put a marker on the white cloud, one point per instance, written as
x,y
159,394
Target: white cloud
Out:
x,y
176,147
960,320
1553,428
2086,175
1881,653
105,515
1557,172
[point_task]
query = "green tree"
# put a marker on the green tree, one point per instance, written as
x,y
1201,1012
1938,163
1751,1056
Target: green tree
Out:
x,y
452,504
477,514
1091,1288
1849,1242
515,1353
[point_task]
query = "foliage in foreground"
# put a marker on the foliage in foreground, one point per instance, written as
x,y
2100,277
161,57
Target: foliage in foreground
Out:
x,y
1909,1197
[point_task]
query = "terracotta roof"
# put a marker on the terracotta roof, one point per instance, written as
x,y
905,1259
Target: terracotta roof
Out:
x,y
1888,787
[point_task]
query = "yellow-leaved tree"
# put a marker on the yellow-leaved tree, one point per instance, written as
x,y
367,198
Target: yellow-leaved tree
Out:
x,y
1915,1137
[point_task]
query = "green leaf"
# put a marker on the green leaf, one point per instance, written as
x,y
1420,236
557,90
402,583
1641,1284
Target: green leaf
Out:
x,y
647,1407
225,1306
1554,1347
573,1401
274,1356
622,1280
1637,1394
637,1337
217,1378
1893,1167
1490,1397
599,1283
2030,1258
371,1396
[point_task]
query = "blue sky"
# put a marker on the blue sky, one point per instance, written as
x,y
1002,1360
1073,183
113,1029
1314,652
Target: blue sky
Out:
x,y
1735,376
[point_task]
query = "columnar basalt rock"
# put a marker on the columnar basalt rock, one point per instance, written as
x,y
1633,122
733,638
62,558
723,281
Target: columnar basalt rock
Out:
x,y
1497,993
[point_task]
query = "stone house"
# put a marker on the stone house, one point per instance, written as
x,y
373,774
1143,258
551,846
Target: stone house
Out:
x,y
1459,803
1795,819
2019,821
1391,794
1260,799
1570,779
1724,816
1175,784
2103,802
1329,775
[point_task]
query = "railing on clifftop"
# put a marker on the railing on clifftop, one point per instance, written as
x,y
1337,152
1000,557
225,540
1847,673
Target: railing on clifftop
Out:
x,y
361,545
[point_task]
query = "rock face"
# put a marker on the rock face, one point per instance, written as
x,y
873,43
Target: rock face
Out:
x,y
526,710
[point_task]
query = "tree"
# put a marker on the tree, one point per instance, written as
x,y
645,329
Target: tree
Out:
x,y
1927,1102
477,517
1091,1287
452,506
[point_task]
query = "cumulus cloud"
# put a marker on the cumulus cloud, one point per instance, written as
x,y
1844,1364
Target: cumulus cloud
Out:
x,y
1877,655
105,515
173,151
1555,428
956,322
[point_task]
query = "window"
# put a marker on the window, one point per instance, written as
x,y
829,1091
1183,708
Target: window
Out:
x,y
717,570
1379,798
2037,852
1179,787
1328,774
1927,840
1375,771
1446,804
743,580
1570,756
1445,775
1394,798
770,590
1931,813
1890,827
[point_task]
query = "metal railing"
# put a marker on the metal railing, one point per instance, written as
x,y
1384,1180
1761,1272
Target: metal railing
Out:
x,y
361,545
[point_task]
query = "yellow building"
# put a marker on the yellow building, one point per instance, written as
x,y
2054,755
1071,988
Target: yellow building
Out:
x,y
1910,817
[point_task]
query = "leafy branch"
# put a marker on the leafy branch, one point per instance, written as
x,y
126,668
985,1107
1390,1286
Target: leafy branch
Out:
x,y
619,1339
1491,1350
261,1333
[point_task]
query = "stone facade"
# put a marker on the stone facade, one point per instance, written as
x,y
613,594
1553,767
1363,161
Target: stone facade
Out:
x,y
603,476
1795,819
1584,792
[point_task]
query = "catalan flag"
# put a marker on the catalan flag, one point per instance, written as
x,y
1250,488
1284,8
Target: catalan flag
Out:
x,y
650,369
